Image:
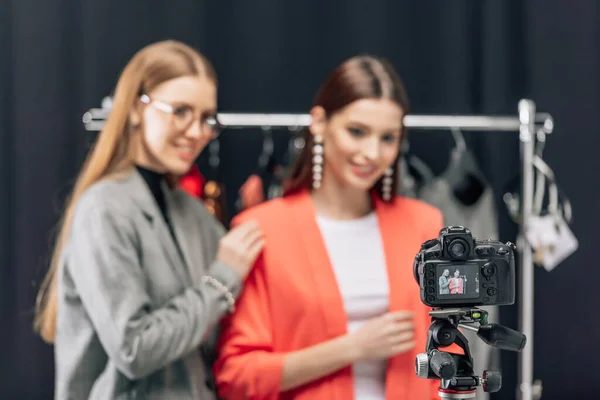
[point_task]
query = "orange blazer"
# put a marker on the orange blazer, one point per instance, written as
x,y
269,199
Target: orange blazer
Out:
x,y
456,285
291,301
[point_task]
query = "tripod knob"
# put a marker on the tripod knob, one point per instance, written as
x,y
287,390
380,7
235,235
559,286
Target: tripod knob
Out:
x,y
422,365
492,381
443,365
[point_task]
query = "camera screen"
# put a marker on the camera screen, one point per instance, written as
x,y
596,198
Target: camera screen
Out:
x,y
458,280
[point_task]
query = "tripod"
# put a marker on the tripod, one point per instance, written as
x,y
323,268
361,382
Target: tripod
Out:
x,y
458,381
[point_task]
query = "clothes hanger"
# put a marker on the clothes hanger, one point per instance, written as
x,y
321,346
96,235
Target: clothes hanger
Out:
x,y
558,203
266,160
549,232
463,173
540,176
214,189
557,200
414,172
252,191
420,169
281,169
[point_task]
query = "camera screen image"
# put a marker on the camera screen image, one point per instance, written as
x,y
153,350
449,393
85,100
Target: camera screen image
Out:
x,y
458,280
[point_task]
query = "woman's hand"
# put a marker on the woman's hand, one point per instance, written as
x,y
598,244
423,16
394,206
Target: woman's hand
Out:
x,y
384,336
240,247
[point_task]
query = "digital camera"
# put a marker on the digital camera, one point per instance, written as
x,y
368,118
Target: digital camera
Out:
x,y
456,270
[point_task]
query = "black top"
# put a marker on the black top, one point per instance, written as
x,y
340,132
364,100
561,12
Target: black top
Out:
x,y
154,181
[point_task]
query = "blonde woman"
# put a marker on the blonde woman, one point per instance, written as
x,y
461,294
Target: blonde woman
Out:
x,y
141,272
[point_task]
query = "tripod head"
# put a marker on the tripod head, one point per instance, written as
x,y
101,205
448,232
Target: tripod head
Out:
x,y
458,381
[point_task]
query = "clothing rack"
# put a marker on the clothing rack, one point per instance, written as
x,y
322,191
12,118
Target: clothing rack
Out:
x,y
531,126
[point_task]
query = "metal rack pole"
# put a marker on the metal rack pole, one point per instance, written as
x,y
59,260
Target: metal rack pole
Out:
x,y
94,120
527,135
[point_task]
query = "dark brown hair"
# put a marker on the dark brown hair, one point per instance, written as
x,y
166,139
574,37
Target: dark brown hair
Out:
x,y
360,77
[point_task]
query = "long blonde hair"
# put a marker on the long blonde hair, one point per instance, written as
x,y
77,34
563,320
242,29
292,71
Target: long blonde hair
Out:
x,y
151,66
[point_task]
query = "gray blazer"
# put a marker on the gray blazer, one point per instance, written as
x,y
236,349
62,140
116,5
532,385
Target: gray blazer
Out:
x,y
132,313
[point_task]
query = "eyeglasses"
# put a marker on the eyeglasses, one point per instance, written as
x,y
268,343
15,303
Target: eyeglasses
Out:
x,y
182,116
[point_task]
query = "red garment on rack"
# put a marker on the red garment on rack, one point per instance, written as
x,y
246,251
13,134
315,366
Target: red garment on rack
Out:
x,y
193,182
251,192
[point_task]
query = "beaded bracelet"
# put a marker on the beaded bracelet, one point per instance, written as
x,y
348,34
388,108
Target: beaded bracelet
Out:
x,y
222,288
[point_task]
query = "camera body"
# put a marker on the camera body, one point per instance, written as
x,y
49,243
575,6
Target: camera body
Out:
x,y
456,270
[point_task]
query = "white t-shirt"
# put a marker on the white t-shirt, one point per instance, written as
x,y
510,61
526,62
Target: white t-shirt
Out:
x,y
356,253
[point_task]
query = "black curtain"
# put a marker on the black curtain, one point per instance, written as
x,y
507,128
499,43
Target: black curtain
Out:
x,y
565,80
58,58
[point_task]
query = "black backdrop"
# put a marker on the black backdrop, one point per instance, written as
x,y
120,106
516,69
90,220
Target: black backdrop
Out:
x,y
60,57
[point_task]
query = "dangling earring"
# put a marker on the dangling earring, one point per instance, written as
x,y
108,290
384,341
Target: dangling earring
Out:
x,y
317,161
386,184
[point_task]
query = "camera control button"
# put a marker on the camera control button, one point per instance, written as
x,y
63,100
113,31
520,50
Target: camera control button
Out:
x,y
502,251
492,291
490,250
429,244
489,270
